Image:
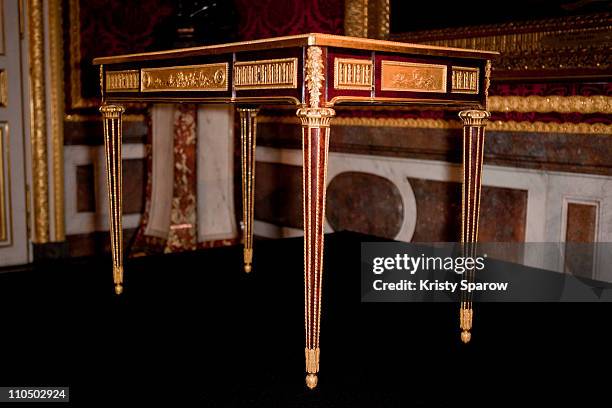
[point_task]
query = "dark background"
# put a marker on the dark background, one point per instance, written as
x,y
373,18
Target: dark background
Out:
x,y
428,15
193,329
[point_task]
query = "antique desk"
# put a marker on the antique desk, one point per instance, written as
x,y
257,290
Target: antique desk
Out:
x,y
314,73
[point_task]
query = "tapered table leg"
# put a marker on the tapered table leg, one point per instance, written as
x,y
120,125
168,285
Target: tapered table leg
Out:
x,y
474,122
248,134
112,147
315,142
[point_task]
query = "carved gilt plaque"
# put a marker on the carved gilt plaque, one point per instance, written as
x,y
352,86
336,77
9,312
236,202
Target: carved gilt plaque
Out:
x,y
207,77
122,81
413,77
352,73
266,74
465,80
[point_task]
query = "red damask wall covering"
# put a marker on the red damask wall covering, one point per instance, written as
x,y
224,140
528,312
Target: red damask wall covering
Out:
x,y
119,25
107,27
271,18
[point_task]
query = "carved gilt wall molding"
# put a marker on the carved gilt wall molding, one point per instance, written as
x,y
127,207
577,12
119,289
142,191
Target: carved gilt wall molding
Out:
x,y
74,37
5,194
552,103
356,18
38,131
3,89
367,18
425,123
56,118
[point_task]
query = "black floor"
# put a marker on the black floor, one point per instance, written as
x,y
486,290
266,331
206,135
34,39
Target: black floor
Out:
x,y
194,328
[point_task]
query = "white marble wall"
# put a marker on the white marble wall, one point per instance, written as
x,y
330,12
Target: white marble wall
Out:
x,y
548,194
86,222
216,219
162,119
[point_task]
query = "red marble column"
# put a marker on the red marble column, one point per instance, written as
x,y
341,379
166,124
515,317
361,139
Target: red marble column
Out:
x,y
183,222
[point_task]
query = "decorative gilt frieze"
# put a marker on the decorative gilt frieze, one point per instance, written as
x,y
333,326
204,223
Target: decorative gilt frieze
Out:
x,y
207,77
266,74
352,73
314,75
428,123
551,127
465,80
122,81
552,103
413,77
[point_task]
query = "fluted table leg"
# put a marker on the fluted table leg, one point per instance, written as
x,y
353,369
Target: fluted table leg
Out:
x,y
474,122
315,142
112,147
248,134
